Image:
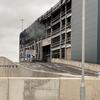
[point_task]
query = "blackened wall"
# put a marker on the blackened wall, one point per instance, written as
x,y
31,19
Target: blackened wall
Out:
x,y
33,32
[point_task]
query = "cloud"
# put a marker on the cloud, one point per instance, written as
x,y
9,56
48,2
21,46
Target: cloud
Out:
x,y
11,11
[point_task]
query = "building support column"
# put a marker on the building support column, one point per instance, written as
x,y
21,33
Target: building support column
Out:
x,y
41,50
65,30
34,49
51,38
60,32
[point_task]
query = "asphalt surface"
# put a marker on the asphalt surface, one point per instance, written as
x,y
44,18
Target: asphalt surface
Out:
x,y
57,68
41,69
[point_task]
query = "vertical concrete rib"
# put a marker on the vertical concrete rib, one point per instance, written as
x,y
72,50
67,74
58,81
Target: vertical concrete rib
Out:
x,y
65,29
51,37
41,50
60,32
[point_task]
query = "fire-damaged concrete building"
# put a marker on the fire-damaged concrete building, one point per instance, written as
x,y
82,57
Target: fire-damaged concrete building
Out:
x,y
58,33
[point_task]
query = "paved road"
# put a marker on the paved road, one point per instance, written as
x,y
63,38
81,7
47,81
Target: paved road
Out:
x,y
58,68
40,69
9,68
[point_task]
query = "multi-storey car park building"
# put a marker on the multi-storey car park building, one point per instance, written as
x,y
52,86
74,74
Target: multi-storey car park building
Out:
x,y
58,33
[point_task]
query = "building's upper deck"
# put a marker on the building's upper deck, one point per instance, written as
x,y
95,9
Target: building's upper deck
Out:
x,y
38,30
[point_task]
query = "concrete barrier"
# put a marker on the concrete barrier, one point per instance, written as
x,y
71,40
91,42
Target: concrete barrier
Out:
x,y
47,88
70,89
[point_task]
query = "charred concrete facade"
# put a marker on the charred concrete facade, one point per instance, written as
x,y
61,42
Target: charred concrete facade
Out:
x,y
49,36
58,33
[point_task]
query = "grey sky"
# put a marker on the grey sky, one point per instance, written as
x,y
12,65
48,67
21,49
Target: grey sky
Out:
x,y
11,11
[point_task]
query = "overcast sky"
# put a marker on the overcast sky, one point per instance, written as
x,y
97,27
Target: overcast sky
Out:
x,y
11,11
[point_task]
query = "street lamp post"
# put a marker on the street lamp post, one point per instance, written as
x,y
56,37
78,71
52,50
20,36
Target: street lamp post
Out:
x,y
82,87
22,24
22,21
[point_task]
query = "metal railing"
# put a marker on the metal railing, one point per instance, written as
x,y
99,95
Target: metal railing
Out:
x,y
63,27
68,25
55,44
68,40
56,31
63,42
56,18
69,11
62,14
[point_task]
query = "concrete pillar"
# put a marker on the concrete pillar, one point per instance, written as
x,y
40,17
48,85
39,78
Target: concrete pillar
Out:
x,y
35,48
41,50
60,32
38,50
24,53
51,38
65,30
